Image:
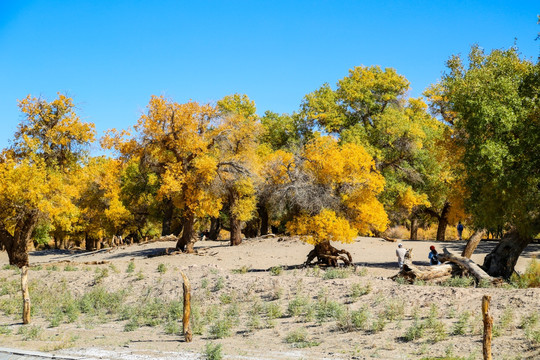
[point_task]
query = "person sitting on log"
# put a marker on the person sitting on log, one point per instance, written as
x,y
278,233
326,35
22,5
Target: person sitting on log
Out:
x,y
433,259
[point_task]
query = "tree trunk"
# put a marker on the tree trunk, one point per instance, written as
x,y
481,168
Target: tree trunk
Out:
x,y
188,335
411,272
17,245
502,259
236,231
468,264
443,222
328,255
472,243
215,227
166,225
186,242
414,229
25,295
263,214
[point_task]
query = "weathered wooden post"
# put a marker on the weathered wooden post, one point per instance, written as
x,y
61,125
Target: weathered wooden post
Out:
x,y
188,335
25,295
488,326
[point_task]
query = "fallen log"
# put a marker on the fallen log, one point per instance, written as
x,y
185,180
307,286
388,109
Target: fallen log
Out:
x,y
469,265
411,272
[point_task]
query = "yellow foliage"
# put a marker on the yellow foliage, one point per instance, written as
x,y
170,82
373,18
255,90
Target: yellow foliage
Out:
x,y
409,199
350,171
325,226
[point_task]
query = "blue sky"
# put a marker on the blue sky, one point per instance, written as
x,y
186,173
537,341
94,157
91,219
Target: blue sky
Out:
x,y
110,56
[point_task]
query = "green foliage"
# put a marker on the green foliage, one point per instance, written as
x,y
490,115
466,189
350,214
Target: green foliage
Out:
x,y
358,290
276,270
30,332
297,305
337,273
299,339
213,351
162,268
494,99
530,278
131,267
459,281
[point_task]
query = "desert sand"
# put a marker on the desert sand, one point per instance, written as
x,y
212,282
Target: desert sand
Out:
x,y
245,276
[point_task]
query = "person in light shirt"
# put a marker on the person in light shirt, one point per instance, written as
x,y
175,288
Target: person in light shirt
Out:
x,y
400,253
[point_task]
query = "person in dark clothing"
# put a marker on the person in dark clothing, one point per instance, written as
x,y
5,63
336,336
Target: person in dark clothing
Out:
x,y
433,259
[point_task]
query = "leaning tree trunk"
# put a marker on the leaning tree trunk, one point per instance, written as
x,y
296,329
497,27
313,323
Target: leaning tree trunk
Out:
x,y
187,241
215,227
328,255
443,222
503,258
472,243
236,231
17,244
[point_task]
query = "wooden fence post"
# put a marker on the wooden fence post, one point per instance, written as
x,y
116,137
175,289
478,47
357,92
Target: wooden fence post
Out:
x,y
25,295
488,326
188,335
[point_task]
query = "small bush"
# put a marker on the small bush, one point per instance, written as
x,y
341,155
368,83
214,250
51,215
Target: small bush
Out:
x,y
213,351
273,311
337,273
30,332
276,271
416,331
221,328
70,267
242,270
299,339
464,281
297,305
131,267
358,290
162,268
220,284
460,327
531,277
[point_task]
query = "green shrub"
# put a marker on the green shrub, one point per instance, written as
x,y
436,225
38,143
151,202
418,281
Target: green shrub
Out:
x,y
465,281
337,273
276,271
298,338
460,327
70,267
221,328
131,267
358,290
415,332
30,332
273,311
242,270
162,268
530,278
213,352
297,305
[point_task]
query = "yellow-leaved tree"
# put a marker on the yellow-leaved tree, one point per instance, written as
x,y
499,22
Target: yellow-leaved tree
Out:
x,y
38,173
332,196
237,140
177,143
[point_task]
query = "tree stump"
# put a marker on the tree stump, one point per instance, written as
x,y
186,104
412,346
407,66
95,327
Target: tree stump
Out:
x,y
328,255
188,335
25,295
488,327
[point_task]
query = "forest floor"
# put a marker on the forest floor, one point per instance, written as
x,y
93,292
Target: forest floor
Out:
x,y
255,302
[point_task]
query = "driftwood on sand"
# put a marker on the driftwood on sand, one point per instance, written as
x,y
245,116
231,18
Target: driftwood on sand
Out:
x,y
453,265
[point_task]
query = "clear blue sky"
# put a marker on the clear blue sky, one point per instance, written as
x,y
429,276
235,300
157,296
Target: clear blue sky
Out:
x,y
110,56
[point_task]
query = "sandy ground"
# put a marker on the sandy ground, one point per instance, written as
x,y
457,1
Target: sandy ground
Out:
x,y
374,259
